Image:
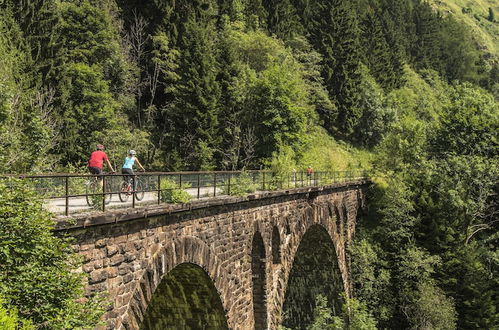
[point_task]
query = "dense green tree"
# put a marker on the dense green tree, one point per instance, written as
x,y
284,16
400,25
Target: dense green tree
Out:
x,y
237,136
335,34
283,20
425,50
377,116
469,124
25,116
377,52
37,268
195,108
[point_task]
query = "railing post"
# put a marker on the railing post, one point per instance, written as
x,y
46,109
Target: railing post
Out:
x,y
67,196
133,191
104,193
214,184
199,182
159,189
228,184
180,181
263,181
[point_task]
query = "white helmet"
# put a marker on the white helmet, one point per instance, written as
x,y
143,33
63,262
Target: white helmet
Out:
x,y
132,152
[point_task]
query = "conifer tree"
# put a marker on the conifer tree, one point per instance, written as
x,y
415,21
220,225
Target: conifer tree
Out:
x,y
376,51
196,95
282,19
255,14
336,35
492,15
425,51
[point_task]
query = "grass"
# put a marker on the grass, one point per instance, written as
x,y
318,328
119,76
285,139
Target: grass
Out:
x,y
485,32
324,153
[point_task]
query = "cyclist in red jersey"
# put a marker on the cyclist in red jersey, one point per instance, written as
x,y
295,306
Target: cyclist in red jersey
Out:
x,y
97,159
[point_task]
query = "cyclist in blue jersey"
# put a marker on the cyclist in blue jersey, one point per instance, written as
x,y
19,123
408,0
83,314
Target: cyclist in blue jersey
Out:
x,y
130,160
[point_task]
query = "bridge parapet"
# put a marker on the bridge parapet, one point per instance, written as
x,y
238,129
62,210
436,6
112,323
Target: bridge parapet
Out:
x,y
127,253
79,193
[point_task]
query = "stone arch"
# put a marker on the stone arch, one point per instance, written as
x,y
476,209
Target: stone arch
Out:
x,y
187,249
276,246
185,298
315,270
258,271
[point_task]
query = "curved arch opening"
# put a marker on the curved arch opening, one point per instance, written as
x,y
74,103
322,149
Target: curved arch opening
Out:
x,y
314,272
276,246
258,262
186,298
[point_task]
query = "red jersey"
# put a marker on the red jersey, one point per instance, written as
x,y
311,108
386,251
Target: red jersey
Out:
x,y
97,159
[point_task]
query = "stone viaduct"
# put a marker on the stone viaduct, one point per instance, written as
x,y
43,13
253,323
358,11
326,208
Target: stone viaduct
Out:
x,y
238,253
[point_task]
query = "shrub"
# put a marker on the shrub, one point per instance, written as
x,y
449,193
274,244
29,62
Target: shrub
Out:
x,y
171,193
240,186
37,268
9,319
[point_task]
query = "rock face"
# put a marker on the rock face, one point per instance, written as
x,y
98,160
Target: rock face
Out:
x,y
245,246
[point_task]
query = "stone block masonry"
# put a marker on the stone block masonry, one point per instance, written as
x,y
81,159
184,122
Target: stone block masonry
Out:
x,y
128,253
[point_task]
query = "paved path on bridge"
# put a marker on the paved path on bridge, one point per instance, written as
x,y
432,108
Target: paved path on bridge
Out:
x,y
79,204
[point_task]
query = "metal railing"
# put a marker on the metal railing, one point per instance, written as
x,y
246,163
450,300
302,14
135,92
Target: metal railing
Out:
x,y
67,193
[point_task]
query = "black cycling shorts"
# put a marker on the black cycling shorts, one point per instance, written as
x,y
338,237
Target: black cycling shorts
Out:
x,y
95,170
127,171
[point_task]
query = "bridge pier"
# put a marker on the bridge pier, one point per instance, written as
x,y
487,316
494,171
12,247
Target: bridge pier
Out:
x,y
128,253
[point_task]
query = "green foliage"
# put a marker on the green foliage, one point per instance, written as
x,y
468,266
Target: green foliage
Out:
x,y
357,315
9,319
24,132
323,317
282,165
335,35
240,185
281,109
354,316
469,124
324,153
195,110
171,193
371,278
376,115
423,313
89,107
37,268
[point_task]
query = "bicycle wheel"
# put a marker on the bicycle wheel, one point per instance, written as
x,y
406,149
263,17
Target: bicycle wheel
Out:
x,y
91,189
124,191
139,188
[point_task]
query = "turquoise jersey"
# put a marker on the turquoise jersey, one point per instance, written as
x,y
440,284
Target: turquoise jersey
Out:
x,y
129,161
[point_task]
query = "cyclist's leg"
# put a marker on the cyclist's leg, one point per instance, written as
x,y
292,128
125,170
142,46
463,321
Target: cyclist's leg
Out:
x,y
98,172
128,177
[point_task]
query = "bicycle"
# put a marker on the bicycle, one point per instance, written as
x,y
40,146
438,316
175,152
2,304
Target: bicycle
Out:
x,y
94,190
126,188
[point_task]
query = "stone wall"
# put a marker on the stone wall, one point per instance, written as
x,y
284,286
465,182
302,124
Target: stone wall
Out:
x,y
126,254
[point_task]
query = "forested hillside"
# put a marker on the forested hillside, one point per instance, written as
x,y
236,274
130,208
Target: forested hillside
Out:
x,y
407,88
218,84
